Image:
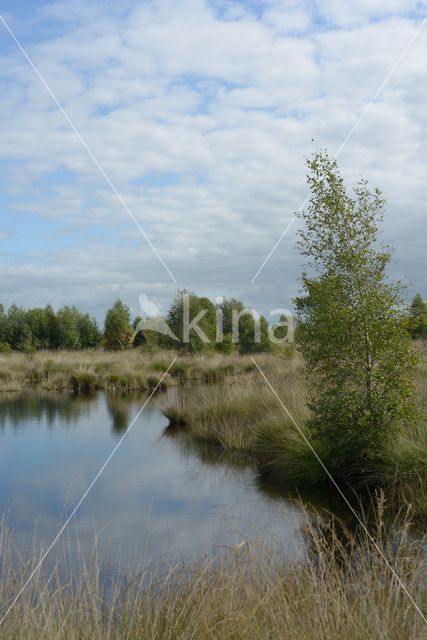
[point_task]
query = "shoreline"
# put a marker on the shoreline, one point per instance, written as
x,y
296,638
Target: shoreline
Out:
x,y
225,403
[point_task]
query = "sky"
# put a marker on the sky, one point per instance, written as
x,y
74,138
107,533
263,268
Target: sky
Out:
x,y
194,121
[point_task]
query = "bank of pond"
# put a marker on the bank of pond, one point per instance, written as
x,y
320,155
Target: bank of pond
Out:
x,y
182,536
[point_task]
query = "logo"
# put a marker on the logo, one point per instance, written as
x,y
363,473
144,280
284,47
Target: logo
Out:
x,y
279,332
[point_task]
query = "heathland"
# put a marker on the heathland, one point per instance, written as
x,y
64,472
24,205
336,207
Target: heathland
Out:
x,y
342,587
347,411
224,401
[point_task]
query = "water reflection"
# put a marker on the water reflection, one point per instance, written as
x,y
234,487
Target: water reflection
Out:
x,y
210,454
119,409
18,410
313,499
161,493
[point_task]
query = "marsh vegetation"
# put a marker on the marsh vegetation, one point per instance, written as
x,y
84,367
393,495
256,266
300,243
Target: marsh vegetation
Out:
x,y
113,370
342,588
346,411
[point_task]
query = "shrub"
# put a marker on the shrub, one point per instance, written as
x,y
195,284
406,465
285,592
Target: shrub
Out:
x,y
126,382
180,370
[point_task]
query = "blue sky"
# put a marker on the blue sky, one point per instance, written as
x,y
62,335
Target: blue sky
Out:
x,y
201,114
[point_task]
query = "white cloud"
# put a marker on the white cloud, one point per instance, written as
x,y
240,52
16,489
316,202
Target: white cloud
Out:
x,y
226,105
344,13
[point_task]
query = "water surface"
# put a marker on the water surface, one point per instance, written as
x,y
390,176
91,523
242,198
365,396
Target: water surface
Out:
x,y
159,496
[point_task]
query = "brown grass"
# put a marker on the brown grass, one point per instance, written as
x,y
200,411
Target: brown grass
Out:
x,y
246,416
124,370
229,414
342,589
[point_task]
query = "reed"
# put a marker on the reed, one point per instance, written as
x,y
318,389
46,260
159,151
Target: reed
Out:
x,y
342,588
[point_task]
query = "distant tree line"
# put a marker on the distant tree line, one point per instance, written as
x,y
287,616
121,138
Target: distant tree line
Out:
x,y
170,332
43,328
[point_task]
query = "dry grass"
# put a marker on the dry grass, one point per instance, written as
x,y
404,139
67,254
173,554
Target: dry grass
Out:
x,y
124,370
246,416
238,413
229,414
342,589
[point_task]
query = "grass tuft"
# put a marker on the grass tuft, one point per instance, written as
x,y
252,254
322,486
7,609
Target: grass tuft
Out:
x,y
284,456
83,381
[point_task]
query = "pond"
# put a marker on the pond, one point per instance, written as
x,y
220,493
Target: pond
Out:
x,y
159,496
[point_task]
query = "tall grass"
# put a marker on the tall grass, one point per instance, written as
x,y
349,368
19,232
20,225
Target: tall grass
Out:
x,y
284,456
238,412
247,416
229,414
124,371
341,589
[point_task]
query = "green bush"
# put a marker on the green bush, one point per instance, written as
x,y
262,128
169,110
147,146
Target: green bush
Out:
x,y
161,367
217,374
